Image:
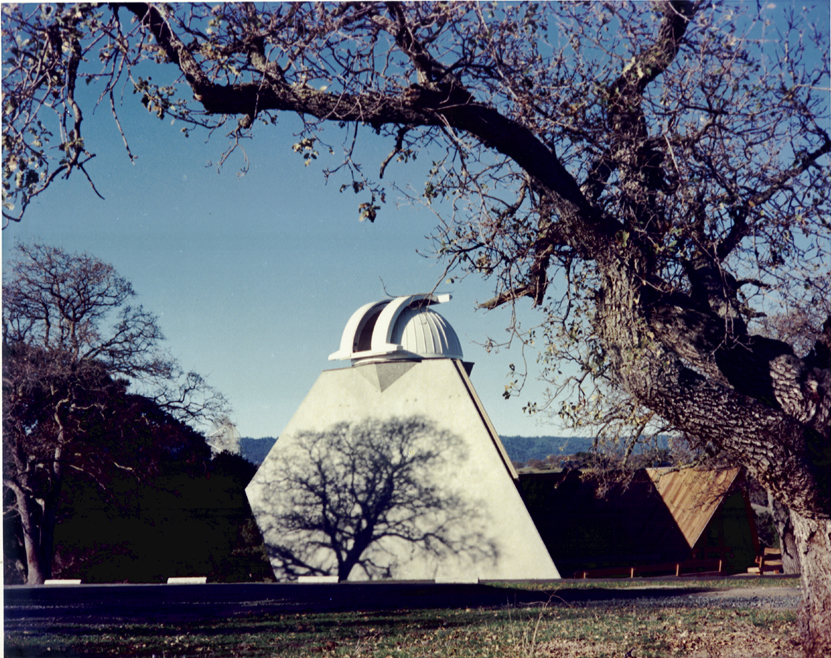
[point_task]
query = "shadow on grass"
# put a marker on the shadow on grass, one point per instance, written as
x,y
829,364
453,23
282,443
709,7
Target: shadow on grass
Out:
x,y
50,608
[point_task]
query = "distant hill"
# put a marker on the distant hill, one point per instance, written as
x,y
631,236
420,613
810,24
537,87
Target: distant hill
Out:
x,y
255,450
520,448
523,448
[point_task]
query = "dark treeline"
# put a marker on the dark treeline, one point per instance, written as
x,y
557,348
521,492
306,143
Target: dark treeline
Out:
x,y
182,521
101,482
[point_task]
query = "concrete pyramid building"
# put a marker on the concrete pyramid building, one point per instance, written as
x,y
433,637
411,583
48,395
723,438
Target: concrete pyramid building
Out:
x,y
391,469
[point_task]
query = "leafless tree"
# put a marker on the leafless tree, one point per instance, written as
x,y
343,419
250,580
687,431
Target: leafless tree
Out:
x,y
72,344
224,436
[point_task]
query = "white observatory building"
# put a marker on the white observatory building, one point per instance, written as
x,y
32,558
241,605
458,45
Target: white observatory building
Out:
x,y
391,468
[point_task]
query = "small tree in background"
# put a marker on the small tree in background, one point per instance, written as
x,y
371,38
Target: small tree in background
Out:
x,y
72,345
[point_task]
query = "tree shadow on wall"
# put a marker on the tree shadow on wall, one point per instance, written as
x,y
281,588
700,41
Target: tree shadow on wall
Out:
x,y
371,495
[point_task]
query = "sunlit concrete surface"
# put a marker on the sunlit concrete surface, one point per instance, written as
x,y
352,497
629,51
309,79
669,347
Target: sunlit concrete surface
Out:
x,y
493,538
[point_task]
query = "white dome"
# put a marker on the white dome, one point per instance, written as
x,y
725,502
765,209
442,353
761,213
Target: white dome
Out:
x,y
424,332
399,328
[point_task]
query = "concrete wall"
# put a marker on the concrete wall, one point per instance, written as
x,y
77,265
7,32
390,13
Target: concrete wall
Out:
x,y
470,523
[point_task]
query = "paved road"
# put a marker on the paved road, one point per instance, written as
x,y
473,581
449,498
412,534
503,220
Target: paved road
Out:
x,y
34,608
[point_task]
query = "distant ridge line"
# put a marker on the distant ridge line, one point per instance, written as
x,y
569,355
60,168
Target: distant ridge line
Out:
x,y
519,448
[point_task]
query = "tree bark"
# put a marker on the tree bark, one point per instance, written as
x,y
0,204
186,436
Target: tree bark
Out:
x,y
783,453
785,529
813,541
38,519
35,572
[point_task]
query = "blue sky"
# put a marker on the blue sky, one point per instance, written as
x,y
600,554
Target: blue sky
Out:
x,y
254,277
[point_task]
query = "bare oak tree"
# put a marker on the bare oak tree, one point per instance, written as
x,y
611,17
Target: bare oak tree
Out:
x,y
653,176
72,344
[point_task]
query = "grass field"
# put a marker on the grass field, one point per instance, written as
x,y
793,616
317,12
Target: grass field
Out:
x,y
681,583
549,630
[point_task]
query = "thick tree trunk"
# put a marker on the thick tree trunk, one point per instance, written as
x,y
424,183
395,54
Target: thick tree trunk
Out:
x,y
784,528
38,518
777,448
36,573
813,541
